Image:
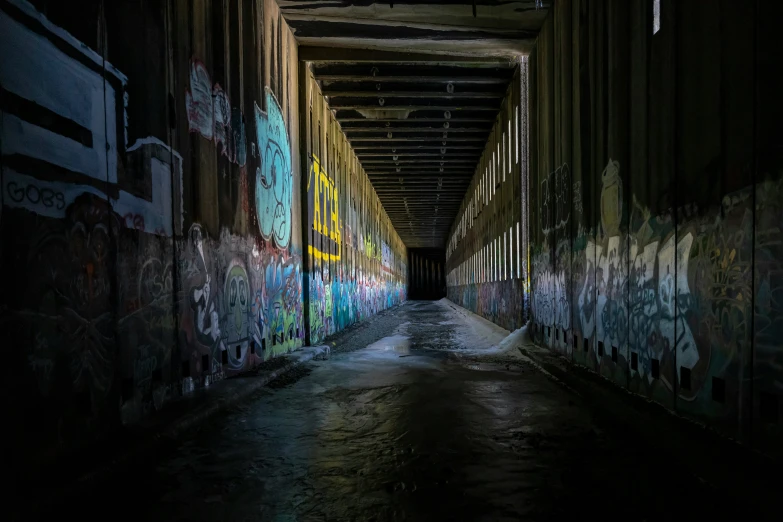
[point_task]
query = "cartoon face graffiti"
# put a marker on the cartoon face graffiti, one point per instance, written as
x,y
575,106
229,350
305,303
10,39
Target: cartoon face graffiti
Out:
x,y
237,302
274,179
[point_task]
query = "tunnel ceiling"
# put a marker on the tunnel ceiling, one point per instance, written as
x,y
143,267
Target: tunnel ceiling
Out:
x,y
416,88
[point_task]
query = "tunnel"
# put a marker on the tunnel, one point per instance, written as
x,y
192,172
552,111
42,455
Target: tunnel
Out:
x,y
370,260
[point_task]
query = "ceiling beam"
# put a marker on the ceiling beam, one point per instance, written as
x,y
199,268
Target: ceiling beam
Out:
x,y
403,88
338,104
441,125
446,181
419,159
381,134
475,80
454,117
438,130
396,176
415,151
428,68
311,53
416,139
412,94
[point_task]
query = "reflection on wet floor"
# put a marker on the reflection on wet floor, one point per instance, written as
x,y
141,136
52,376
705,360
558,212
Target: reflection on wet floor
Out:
x,y
406,430
399,344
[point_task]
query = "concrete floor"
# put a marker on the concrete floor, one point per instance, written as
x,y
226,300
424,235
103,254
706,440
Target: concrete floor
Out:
x,y
417,425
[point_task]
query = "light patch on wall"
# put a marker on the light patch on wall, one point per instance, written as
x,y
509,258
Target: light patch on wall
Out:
x,y
504,156
511,251
516,132
505,256
509,147
656,16
519,272
500,162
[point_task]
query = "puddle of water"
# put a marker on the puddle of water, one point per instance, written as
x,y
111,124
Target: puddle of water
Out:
x,y
399,344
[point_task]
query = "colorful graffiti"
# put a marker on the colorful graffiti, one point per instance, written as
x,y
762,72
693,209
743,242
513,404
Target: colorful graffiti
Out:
x,y
501,302
274,179
670,303
255,311
210,114
324,203
339,303
127,293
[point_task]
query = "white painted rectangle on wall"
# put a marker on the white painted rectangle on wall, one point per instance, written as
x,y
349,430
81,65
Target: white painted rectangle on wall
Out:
x,y
34,68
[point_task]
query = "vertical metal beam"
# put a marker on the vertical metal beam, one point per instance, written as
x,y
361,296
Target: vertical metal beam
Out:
x,y
304,149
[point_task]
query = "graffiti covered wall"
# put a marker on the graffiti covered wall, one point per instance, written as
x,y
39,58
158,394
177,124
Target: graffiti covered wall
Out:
x,y
357,262
487,250
149,206
655,214
152,211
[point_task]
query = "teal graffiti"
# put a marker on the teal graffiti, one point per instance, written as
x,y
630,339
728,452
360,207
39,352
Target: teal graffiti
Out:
x,y
274,179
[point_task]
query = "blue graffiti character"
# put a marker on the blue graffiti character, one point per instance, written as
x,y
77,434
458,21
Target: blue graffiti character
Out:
x,y
274,179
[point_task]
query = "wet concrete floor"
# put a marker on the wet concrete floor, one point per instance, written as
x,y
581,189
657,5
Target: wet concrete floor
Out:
x,y
407,428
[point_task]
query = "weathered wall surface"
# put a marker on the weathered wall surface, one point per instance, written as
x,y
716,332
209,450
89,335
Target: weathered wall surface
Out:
x,y
486,256
151,213
656,190
357,264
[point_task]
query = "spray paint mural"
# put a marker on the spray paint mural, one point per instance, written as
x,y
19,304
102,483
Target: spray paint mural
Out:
x,y
357,260
274,179
324,201
499,302
210,114
340,297
669,304
101,224
129,289
242,303
657,264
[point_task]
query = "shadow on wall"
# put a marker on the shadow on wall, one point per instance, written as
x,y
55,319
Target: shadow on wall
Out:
x,y
657,251
670,305
128,288
118,307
